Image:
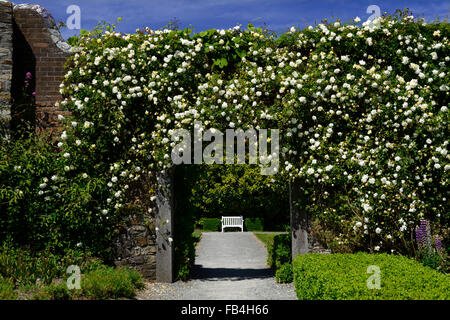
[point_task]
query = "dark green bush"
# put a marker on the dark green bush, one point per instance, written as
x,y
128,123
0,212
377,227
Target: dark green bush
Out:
x,y
280,252
284,273
254,224
279,257
41,208
184,240
211,224
345,277
111,283
7,289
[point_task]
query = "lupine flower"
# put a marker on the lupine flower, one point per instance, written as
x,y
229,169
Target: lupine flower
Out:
x,y
438,243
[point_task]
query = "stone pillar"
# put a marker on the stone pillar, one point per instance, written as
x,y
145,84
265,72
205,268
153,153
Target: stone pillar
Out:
x,y
165,225
6,64
135,246
300,223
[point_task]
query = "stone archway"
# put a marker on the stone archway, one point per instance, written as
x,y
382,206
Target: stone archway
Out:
x,y
302,241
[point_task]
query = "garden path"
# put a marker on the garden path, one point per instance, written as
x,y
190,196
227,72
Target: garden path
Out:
x,y
228,266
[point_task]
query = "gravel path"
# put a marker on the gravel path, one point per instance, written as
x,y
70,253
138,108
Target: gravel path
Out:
x,y
228,266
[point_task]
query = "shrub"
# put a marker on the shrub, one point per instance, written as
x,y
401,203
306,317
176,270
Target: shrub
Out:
x,y
279,257
280,252
7,289
24,266
43,206
345,277
111,283
184,241
54,291
284,273
254,224
211,224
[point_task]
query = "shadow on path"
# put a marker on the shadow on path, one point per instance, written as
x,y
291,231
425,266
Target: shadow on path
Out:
x,y
231,274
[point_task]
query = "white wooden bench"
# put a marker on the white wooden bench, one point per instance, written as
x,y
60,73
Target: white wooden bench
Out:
x,y
233,222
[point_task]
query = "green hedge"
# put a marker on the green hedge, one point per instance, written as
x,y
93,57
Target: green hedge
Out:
x,y
279,257
284,273
254,224
279,252
346,277
211,224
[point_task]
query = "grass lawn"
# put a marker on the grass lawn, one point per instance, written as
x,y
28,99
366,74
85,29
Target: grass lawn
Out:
x,y
267,237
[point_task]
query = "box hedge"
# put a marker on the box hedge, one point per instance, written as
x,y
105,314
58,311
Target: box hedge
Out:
x,y
254,224
211,224
346,277
279,257
279,252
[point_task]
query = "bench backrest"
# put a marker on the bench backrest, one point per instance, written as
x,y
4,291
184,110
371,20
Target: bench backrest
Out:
x,y
232,221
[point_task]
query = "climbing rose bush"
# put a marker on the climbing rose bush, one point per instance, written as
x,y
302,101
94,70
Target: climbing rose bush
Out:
x,y
362,113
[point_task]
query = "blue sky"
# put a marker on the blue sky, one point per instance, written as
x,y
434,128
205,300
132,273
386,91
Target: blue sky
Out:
x,y
279,15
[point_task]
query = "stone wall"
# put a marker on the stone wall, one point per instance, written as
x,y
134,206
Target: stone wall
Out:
x,y
135,245
6,61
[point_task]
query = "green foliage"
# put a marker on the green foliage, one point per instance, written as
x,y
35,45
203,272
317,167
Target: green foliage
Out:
x,y
230,190
44,275
434,259
280,252
54,291
185,239
279,257
345,277
254,224
24,267
41,208
7,289
284,273
99,284
110,283
211,224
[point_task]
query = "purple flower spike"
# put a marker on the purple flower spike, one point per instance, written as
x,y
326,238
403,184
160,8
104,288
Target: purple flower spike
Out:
x,y
419,235
438,244
28,76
